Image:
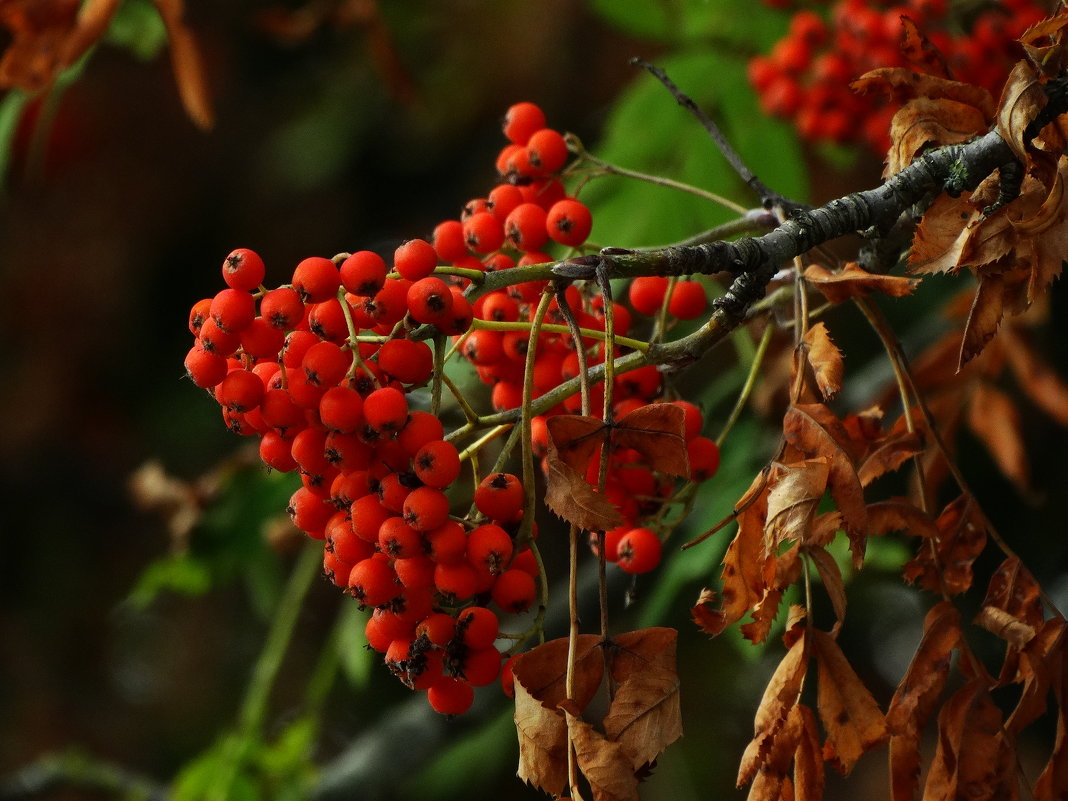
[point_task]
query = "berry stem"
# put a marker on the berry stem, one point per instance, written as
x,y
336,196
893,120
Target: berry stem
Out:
x,y
473,449
554,328
607,168
440,344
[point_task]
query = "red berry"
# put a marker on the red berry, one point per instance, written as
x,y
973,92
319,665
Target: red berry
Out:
x,y
514,591
206,368
363,273
421,428
569,222
386,409
407,360
456,581
233,310
243,269
450,696
477,627
240,391
426,508
372,582
521,120
483,232
282,308
429,300
415,259
646,294
341,409
688,300
524,227
316,279
639,551
437,464
547,150
449,241
703,454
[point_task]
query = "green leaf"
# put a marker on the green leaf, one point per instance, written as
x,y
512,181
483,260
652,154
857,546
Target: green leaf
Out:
x,y
219,772
739,22
181,573
357,659
138,27
10,113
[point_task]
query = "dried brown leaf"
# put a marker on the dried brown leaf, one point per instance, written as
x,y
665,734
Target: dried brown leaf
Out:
x,y
853,721
917,696
1042,237
189,72
903,84
780,696
831,576
575,438
972,754
572,498
644,716
995,420
787,570
921,51
808,760
94,17
900,514
1002,624
940,237
747,568
853,281
923,123
1044,44
961,537
1022,98
657,432
815,431
603,762
825,359
539,689
888,455
793,500
988,307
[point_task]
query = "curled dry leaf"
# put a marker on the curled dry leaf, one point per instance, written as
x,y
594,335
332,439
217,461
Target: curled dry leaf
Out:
x,y
854,281
888,454
786,572
921,51
972,750
923,123
747,568
853,721
189,72
795,495
900,514
808,760
988,307
1044,43
917,697
643,718
814,430
825,359
1040,667
961,537
780,697
904,84
1022,98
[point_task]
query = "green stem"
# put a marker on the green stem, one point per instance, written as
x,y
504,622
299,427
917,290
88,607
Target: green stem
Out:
x,y
750,382
554,328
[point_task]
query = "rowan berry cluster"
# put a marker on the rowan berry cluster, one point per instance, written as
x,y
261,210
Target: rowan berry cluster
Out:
x,y
806,76
323,369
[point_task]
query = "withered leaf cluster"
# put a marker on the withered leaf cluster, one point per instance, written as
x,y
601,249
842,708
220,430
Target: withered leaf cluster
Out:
x,y
48,36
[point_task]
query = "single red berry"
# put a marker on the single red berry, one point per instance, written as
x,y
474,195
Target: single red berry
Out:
x,y
688,300
240,391
398,540
703,454
389,305
233,310
639,551
438,628
481,666
368,514
415,259
477,627
524,227
261,340
483,347
450,696
521,120
341,409
429,300
309,511
372,582
456,581
243,269
282,308
316,279
386,409
514,591
275,453
327,320
569,222
426,508
449,241
503,198
206,368
200,312
407,360
447,543
437,464
646,294
421,428
483,232
547,150
325,364
363,273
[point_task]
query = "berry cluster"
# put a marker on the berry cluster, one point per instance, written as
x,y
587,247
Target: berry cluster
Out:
x,y
323,370
806,75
